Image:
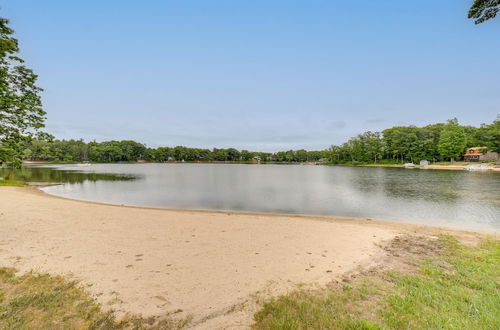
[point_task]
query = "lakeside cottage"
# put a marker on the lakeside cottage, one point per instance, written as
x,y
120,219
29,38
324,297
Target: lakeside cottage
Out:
x,y
479,154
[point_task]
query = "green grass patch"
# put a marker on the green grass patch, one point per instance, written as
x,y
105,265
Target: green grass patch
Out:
x,y
11,183
42,301
458,288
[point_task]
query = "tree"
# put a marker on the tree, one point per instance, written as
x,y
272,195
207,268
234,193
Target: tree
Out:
x,y
232,154
132,150
490,136
404,142
246,155
430,136
373,145
453,140
483,10
21,113
301,155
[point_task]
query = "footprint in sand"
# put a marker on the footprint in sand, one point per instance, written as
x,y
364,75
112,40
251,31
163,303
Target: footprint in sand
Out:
x,y
162,298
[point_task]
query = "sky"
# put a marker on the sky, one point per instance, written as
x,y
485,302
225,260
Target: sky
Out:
x,y
261,75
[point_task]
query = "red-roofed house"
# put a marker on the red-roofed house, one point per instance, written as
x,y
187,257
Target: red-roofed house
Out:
x,y
479,154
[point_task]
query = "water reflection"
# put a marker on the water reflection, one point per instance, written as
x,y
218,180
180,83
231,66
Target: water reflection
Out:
x,y
449,198
58,174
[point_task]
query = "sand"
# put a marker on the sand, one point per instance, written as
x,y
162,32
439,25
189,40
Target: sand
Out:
x,y
209,265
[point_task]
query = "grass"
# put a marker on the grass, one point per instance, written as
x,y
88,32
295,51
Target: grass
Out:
x,y
11,183
41,301
448,286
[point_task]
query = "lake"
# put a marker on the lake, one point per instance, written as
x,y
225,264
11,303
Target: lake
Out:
x,y
456,199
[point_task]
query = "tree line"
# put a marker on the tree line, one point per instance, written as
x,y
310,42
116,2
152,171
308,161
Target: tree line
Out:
x,y
131,151
399,144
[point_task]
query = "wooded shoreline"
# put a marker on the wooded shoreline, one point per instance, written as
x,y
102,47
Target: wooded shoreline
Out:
x,y
397,145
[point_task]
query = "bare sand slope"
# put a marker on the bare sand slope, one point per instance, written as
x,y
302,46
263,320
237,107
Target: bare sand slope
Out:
x,y
158,261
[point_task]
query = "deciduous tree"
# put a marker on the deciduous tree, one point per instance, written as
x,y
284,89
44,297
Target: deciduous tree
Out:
x,y
453,140
21,113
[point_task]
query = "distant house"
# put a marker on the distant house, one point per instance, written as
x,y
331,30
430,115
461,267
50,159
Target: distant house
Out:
x,y
479,154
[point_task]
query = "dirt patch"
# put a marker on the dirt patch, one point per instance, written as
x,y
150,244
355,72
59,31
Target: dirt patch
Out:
x,y
402,254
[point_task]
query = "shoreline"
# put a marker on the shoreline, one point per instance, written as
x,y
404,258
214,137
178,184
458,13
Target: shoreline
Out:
x,y
452,167
36,189
208,264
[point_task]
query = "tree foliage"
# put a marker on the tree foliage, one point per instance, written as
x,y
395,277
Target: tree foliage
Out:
x,y
490,134
483,10
21,113
398,144
452,141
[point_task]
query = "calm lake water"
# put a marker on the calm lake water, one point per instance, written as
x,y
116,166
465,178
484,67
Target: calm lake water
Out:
x,y
457,199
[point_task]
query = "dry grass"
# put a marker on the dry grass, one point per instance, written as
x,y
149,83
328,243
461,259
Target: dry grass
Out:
x,y
42,301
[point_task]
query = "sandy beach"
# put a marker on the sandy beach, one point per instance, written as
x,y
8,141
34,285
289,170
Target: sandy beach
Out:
x,y
210,265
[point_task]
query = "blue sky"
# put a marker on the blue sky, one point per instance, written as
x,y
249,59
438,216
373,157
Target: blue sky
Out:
x,y
256,74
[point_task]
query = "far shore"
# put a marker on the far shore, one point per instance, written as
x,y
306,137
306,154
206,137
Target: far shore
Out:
x,y
207,264
451,166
